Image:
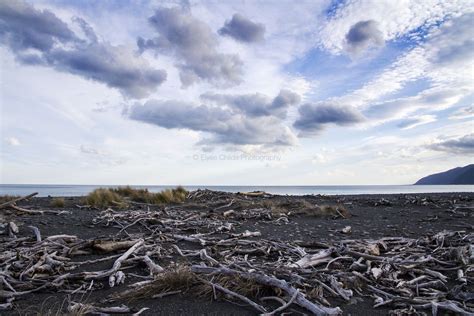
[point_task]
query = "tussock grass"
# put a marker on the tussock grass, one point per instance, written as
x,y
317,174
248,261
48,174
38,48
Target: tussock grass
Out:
x,y
177,278
51,307
176,195
7,198
305,208
331,210
243,286
102,198
58,202
119,196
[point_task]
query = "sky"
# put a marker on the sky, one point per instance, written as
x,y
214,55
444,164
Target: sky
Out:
x,y
235,92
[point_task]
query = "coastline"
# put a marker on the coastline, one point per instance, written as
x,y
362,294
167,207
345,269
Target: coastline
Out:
x,y
372,217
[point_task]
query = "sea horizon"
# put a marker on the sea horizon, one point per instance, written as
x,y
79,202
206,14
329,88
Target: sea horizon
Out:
x,y
83,189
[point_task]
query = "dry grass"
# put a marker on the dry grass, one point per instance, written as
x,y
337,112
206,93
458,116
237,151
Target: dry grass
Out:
x,y
102,198
7,198
180,278
51,307
117,197
58,202
177,195
330,210
243,286
306,208
176,278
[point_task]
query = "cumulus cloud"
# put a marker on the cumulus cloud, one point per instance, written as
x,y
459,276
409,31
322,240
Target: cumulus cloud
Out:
x,y
257,104
242,29
12,141
224,126
39,37
194,45
416,121
363,35
313,118
460,145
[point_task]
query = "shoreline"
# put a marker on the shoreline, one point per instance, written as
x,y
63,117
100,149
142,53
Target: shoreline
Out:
x,y
249,222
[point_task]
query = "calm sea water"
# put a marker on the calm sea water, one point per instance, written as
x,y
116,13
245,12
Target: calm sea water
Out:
x,y
78,190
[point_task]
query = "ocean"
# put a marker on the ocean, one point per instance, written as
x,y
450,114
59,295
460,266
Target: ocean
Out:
x,y
80,190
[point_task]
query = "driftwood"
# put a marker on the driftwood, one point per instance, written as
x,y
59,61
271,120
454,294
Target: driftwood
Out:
x,y
271,281
12,202
431,273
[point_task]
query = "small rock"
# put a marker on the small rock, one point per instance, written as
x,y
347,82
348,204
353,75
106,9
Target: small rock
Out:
x,y
347,230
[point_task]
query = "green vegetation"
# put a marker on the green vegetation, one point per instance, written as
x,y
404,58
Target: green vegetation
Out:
x,y
119,196
58,202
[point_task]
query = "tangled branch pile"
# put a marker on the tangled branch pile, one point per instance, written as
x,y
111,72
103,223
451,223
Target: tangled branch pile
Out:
x,y
407,275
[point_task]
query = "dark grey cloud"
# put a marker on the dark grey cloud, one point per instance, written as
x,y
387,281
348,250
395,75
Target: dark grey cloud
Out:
x,y
224,126
23,27
362,35
38,37
257,104
242,29
194,45
313,118
461,145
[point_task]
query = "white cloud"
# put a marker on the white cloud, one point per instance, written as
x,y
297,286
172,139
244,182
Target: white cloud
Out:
x,y
395,18
463,113
12,141
417,121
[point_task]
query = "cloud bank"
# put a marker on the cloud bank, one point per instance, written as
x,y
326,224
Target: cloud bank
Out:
x,y
257,104
224,126
460,145
194,46
39,37
313,118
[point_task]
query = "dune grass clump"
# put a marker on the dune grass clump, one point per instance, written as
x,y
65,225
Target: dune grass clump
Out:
x,y
114,197
303,207
179,278
102,198
177,195
58,202
329,211
52,307
8,198
176,278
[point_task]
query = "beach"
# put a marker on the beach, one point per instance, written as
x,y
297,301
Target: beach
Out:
x,y
254,233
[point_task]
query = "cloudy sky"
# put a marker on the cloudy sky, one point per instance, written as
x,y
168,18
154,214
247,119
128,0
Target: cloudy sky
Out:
x,y
235,92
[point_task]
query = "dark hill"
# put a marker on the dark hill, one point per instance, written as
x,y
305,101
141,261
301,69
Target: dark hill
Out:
x,y
459,175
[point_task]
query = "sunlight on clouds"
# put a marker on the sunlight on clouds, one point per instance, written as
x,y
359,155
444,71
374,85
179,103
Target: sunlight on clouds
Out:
x,y
79,82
